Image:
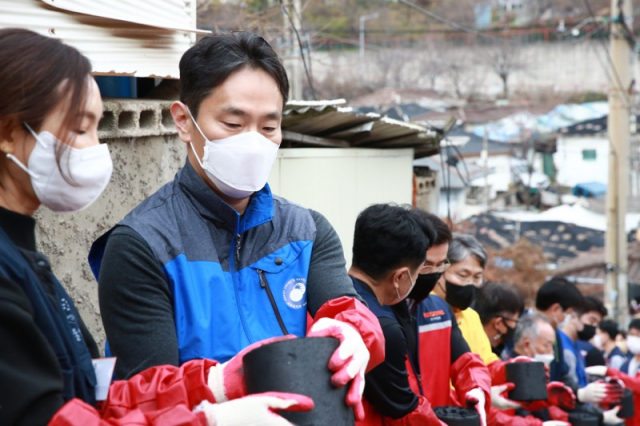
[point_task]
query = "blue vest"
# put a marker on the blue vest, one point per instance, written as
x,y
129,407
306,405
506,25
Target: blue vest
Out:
x,y
57,319
558,368
235,279
573,347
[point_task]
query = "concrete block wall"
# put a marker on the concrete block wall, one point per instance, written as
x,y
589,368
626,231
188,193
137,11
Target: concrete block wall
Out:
x,y
135,118
146,154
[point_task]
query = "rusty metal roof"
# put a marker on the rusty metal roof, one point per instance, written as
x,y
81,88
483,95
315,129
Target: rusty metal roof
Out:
x,y
329,123
120,37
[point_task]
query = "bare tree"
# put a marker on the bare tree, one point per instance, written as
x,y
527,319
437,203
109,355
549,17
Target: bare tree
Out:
x,y
504,58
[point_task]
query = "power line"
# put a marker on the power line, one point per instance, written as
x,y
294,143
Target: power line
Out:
x,y
608,56
304,60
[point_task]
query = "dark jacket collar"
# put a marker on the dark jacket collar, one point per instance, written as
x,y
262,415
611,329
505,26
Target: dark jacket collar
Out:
x,y
212,207
20,228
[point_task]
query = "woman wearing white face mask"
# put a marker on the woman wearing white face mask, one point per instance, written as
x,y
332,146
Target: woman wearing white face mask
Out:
x,y
50,155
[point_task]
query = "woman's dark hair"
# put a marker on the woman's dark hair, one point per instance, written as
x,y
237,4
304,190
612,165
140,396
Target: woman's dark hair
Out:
x,y
213,59
37,73
387,237
498,299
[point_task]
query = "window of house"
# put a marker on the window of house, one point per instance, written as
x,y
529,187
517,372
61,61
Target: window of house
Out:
x,y
589,155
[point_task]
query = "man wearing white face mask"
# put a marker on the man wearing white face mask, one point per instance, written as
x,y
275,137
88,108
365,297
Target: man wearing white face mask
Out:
x,y
213,261
555,299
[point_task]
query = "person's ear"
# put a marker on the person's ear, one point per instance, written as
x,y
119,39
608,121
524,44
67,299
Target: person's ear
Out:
x,y
182,120
8,127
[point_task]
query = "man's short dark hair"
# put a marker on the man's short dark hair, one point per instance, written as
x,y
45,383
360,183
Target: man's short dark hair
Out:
x,y
387,237
498,299
610,327
208,63
559,290
592,304
635,323
443,232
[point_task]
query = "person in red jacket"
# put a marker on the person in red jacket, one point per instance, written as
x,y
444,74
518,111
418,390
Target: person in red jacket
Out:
x,y
444,356
389,249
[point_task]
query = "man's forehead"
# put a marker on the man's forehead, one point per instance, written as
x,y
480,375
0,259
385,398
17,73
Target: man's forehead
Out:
x,y
248,110
437,254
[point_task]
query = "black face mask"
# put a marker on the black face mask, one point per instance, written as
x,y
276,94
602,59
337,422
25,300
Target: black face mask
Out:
x,y
587,332
460,296
508,336
424,285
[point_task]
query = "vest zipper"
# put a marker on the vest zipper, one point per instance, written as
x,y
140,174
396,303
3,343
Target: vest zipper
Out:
x,y
265,284
238,246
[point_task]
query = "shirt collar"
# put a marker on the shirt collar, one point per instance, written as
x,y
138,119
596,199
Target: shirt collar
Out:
x,y
211,206
20,228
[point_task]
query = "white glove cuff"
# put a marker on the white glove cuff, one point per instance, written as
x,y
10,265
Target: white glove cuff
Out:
x,y
215,381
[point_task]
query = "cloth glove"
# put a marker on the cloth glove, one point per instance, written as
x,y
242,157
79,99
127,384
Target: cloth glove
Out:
x,y
254,410
555,423
561,395
226,380
601,393
610,417
475,400
501,402
348,362
596,370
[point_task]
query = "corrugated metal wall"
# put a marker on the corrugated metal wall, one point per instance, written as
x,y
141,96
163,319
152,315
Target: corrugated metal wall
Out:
x,y
111,33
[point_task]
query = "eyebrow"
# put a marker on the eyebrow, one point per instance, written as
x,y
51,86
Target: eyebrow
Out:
x,y
241,113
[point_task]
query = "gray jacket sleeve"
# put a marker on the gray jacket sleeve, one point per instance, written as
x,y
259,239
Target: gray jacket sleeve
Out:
x,y
328,277
136,305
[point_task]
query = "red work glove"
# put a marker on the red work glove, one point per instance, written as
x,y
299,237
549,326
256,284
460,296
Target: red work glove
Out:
x,y
561,396
556,413
259,409
349,361
226,380
601,393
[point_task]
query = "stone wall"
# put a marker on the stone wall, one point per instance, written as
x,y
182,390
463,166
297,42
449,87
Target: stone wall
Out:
x,y
146,154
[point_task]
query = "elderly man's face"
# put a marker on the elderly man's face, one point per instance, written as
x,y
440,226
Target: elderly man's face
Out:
x,y
543,342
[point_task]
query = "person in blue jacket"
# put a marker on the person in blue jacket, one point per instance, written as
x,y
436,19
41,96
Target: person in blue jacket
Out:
x,y
213,261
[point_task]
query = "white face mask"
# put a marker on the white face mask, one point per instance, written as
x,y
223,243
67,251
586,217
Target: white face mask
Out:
x,y
89,171
546,359
238,165
633,344
566,321
413,283
597,341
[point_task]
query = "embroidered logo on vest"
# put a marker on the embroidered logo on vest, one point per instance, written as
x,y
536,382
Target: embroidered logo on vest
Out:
x,y
294,292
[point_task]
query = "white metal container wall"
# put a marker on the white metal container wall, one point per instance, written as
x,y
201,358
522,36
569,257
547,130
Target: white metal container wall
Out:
x,y
114,47
340,183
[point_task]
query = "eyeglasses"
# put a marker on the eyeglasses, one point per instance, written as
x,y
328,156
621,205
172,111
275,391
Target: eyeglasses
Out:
x,y
429,268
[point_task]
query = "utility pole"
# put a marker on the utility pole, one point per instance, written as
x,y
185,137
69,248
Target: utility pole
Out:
x,y
363,19
616,297
485,166
293,55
